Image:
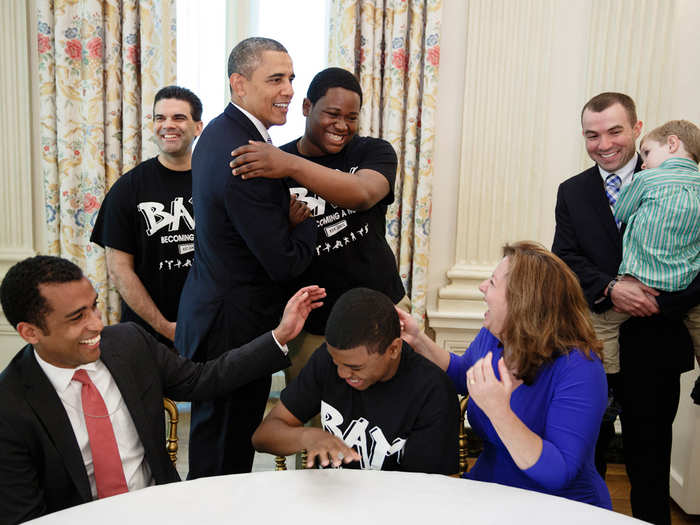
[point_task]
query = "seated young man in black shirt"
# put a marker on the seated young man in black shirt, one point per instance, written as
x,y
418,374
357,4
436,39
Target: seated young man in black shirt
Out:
x,y
386,408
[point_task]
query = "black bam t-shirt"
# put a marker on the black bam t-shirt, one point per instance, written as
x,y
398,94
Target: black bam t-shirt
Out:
x,y
351,249
148,213
408,423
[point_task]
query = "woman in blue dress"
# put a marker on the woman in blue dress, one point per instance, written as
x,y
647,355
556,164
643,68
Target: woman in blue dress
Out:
x,y
537,389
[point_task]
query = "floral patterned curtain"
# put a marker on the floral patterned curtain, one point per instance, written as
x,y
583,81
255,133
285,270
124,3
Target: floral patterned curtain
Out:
x,y
393,46
101,63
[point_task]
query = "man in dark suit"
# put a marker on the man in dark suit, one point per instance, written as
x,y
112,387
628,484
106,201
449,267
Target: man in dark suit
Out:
x,y
655,347
245,252
51,455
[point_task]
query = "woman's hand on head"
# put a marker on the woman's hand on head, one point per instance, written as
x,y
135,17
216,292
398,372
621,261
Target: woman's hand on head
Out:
x,y
409,327
489,393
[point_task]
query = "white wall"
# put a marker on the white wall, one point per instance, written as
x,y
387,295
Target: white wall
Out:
x,y
21,193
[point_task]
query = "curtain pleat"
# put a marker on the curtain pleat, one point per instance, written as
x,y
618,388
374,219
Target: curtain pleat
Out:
x,y
393,46
100,64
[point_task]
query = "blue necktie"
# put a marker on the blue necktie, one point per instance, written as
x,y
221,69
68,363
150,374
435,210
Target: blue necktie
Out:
x,y
612,190
268,140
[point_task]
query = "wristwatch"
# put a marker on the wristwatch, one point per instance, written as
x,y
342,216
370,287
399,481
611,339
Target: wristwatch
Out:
x,y
610,286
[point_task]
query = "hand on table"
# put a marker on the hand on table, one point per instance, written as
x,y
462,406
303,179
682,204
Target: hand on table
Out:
x,y
489,393
296,311
329,449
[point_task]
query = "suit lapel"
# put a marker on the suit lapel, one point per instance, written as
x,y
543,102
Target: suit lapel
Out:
x,y
47,406
236,115
125,379
600,205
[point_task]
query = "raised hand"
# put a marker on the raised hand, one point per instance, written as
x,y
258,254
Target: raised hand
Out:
x,y
296,311
489,393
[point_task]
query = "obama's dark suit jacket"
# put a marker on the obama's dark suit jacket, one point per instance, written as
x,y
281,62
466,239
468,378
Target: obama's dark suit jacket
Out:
x,y
245,255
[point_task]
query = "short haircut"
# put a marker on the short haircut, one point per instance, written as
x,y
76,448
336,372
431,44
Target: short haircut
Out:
x,y
363,317
687,132
331,78
19,293
246,56
547,313
605,100
181,93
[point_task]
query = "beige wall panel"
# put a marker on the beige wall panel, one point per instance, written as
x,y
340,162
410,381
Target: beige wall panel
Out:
x,y
21,198
528,67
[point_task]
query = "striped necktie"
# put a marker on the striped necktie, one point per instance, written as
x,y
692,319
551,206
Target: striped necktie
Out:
x,y
612,190
268,140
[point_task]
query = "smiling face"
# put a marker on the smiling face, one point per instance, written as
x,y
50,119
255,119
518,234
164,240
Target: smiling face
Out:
x,y
361,369
331,122
610,136
268,91
174,128
71,336
494,290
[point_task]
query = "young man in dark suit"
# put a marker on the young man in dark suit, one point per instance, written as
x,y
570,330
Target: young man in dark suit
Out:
x,y
654,345
246,250
52,451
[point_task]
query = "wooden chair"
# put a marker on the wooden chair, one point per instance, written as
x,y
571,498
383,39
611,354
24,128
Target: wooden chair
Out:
x,y
171,439
281,461
462,436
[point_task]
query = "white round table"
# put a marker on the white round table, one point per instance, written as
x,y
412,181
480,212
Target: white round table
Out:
x,y
336,497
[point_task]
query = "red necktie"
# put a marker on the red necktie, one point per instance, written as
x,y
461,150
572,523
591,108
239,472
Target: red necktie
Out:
x,y
109,473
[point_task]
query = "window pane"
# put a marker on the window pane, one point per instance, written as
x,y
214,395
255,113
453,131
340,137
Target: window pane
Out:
x,y
202,53
301,27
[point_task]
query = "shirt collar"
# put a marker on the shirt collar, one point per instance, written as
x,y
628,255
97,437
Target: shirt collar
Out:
x,y
625,172
60,378
259,125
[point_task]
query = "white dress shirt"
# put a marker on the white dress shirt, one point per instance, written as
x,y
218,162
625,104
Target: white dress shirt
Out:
x,y
136,469
259,125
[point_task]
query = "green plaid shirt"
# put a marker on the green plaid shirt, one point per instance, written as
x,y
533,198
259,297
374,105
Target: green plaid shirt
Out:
x,y
661,207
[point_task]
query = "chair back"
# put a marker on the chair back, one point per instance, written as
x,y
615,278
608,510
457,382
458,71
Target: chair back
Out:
x,y
171,438
462,436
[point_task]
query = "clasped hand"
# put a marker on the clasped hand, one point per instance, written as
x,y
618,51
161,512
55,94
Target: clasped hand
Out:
x,y
631,296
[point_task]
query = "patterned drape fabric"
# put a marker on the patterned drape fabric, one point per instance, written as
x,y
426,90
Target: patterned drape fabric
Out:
x,y
100,64
393,46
